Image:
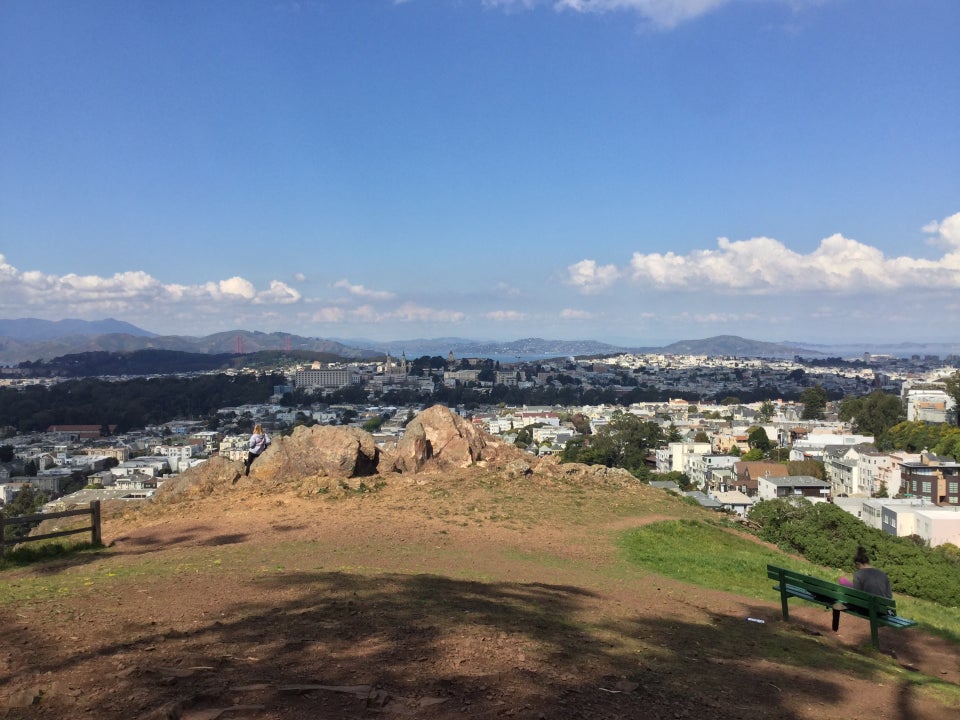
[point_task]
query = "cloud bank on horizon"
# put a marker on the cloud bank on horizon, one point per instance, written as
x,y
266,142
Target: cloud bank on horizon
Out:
x,y
838,267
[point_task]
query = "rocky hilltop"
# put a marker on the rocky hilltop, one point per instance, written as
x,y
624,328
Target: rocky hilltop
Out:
x,y
324,459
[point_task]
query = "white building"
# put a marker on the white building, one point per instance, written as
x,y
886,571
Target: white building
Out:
x,y
234,447
939,525
733,500
928,402
812,447
701,467
770,488
676,456
148,465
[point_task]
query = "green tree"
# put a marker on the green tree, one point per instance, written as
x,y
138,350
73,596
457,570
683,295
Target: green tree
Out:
x,y
810,468
701,437
581,423
6,453
949,442
681,479
873,414
758,439
953,389
673,434
814,401
373,424
524,437
753,455
766,412
623,442
919,436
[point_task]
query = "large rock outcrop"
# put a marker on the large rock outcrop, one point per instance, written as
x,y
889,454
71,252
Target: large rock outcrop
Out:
x,y
339,452
315,457
439,438
201,480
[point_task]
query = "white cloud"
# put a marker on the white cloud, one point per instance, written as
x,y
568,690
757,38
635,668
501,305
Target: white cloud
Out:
x,y
235,286
299,277
590,278
662,13
717,318
133,291
946,231
508,290
279,294
406,313
571,314
763,266
329,315
411,312
365,313
361,291
665,13
506,315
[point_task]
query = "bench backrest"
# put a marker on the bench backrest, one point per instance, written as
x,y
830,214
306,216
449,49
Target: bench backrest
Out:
x,y
831,590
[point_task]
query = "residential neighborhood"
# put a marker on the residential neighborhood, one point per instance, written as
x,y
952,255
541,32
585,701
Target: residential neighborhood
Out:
x,y
904,493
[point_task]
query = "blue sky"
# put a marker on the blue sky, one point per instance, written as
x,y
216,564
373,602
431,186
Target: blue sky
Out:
x,y
634,171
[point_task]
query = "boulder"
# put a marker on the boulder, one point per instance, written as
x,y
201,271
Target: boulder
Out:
x,y
202,479
553,467
439,438
517,468
333,451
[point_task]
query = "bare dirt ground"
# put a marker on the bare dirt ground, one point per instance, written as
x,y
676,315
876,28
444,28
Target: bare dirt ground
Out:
x,y
443,598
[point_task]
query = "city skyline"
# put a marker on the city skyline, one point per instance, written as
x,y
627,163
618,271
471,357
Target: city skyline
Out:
x,y
625,171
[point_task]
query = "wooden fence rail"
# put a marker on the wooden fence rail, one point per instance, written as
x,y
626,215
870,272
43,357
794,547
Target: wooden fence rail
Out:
x,y
94,529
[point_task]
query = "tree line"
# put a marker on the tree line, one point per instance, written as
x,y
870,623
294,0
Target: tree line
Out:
x,y
129,404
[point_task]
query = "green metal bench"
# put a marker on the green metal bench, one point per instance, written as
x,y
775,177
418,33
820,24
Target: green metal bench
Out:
x,y
875,608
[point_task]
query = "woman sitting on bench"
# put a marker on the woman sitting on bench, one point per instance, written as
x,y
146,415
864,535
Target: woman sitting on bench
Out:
x,y
867,578
870,579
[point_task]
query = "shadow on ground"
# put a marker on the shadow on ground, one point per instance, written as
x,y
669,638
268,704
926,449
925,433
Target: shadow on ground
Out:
x,y
338,645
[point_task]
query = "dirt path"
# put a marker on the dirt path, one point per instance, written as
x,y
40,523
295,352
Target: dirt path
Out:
x,y
436,602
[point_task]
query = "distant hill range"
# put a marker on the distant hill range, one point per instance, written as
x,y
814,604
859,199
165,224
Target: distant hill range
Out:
x,y
34,330
31,340
27,339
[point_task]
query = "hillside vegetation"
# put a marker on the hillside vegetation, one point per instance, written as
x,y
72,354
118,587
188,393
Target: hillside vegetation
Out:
x,y
565,592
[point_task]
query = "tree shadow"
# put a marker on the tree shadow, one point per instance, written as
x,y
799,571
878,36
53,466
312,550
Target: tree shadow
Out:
x,y
155,541
339,645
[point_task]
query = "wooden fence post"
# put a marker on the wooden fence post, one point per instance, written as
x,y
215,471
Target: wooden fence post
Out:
x,y
95,536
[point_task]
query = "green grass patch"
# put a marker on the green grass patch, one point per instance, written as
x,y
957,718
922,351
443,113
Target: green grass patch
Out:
x,y
712,557
705,555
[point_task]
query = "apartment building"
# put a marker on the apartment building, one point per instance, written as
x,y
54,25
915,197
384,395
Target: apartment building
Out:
x,y
326,378
934,478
